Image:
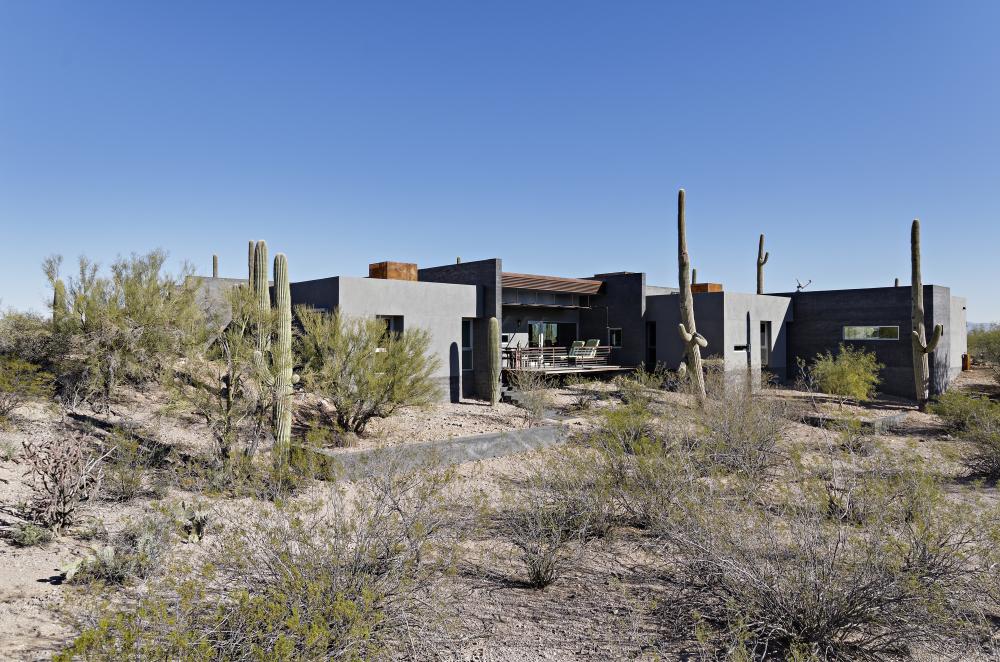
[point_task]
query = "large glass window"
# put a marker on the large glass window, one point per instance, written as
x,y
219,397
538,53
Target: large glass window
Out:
x,y
543,331
467,345
871,333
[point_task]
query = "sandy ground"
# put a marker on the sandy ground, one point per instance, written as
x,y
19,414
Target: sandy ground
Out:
x,y
587,614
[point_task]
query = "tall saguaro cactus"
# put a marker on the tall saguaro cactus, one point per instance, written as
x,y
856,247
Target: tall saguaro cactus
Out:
x,y
694,276
250,253
215,266
282,356
261,293
693,340
494,353
762,257
921,347
59,308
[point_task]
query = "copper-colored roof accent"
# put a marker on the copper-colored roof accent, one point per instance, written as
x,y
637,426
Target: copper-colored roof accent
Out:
x,y
550,283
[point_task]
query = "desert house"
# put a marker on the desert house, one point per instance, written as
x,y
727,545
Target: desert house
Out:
x,y
615,322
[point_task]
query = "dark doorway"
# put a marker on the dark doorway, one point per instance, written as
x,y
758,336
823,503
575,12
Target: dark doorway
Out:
x,y
650,345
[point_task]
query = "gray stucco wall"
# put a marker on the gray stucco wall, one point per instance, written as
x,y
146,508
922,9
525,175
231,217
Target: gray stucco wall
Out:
x,y
709,318
486,276
437,308
744,314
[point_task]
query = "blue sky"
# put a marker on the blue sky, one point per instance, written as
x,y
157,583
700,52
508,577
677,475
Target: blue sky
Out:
x,y
552,134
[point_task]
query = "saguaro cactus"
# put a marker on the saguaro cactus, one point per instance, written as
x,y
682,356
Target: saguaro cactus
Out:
x,y
262,295
250,253
694,276
494,354
215,266
693,340
761,261
59,309
282,356
921,347
896,284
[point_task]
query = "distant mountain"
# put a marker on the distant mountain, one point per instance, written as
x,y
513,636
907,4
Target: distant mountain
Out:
x,y
980,326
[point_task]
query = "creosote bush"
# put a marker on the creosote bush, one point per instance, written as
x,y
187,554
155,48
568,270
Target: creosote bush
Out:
x,y
363,369
976,420
741,430
534,396
355,578
790,582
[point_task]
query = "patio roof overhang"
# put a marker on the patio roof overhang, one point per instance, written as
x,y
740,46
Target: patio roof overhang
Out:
x,y
550,283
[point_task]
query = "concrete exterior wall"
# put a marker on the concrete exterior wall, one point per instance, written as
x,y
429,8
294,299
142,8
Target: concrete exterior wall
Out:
x,y
819,318
485,275
744,314
620,305
437,308
709,318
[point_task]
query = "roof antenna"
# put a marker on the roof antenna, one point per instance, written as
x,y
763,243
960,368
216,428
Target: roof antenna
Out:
x,y
799,286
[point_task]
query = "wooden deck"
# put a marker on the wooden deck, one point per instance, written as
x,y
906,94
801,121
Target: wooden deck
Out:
x,y
575,370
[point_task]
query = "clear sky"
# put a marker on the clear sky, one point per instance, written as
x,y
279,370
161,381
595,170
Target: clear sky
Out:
x,y
551,134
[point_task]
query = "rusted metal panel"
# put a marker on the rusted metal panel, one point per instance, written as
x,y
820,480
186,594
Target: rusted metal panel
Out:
x,y
550,283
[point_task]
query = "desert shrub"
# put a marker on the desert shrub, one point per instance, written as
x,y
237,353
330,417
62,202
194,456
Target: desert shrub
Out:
x,y
230,385
544,530
585,394
30,535
984,347
124,328
962,411
533,394
741,431
645,473
790,583
29,337
134,552
64,473
126,469
853,437
639,385
357,580
850,374
363,369
8,450
983,456
20,381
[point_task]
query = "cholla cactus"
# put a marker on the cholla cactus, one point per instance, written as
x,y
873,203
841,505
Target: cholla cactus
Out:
x,y
693,341
761,261
921,347
193,519
494,353
282,355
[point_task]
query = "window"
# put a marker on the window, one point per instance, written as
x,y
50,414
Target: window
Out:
x,y
467,344
393,323
871,333
765,344
615,337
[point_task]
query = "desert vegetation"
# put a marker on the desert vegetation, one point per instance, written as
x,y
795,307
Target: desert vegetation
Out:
x,y
676,518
